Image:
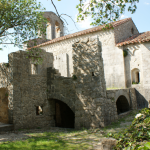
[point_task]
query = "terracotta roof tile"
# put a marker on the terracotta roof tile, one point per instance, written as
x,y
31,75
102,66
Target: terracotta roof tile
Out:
x,y
137,38
91,30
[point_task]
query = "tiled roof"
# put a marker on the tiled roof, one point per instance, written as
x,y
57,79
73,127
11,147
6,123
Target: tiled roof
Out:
x,y
138,38
91,30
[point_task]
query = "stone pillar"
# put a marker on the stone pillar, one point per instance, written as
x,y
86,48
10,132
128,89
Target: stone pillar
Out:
x,y
53,30
88,73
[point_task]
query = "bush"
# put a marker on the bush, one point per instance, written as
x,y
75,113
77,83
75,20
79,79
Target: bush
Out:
x,y
125,53
137,135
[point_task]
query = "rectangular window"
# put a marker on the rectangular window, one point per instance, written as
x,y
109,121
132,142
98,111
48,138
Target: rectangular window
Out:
x,y
39,110
34,69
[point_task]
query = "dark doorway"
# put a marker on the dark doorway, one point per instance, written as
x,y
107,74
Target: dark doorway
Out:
x,y
122,105
4,117
64,116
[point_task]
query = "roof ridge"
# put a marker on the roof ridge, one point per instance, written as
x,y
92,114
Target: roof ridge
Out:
x,y
83,32
136,38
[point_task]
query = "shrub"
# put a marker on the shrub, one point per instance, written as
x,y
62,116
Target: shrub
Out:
x,y
137,135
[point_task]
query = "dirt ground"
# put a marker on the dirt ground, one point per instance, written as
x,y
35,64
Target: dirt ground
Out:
x,y
95,136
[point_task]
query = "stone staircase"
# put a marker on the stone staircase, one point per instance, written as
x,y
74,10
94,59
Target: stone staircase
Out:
x,y
57,73
6,127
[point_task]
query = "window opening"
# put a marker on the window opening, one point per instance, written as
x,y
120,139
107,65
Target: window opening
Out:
x,y
34,69
39,110
135,76
92,73
132,31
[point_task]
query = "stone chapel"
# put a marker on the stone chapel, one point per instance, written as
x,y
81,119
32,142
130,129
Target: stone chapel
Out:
x,y
87,79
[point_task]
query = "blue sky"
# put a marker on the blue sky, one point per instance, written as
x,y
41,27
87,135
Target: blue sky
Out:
x,y
140,18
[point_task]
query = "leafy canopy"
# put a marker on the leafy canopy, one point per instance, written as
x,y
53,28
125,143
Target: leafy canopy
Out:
x,y
20,21
104,11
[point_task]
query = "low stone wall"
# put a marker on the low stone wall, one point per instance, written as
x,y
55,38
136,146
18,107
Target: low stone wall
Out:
x,y
129,94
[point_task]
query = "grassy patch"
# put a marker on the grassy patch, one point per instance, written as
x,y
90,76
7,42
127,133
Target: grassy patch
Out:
x,y
47,141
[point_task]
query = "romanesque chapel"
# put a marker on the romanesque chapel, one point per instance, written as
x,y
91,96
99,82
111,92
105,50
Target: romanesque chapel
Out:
x,y
87,79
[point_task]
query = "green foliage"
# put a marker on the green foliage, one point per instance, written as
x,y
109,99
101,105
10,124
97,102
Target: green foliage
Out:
x,y
20,21
7,64
136,136
104,11
36,55
74,77
135,82
125,53
6,94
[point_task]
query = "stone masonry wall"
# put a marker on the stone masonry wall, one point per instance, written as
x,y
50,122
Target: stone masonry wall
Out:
x,y
110,53
90,83
138,58
60,88
30,91
129,93
6,92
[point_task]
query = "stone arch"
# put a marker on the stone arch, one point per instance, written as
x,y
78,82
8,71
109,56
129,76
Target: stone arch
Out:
x,y
135,76
68,101
122,104
124,93
53,19
4,111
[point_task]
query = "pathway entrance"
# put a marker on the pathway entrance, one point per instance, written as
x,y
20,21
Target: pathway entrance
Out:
x,y
64,116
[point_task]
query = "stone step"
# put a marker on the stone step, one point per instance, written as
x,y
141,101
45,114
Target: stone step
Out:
x,y
6,127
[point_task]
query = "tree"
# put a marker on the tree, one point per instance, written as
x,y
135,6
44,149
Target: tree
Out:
x,y
20,20
104,11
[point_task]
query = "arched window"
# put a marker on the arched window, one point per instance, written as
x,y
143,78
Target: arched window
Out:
x,y
48,30
57,29
135,76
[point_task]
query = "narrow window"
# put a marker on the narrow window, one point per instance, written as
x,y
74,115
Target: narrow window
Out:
x,y
135,76
132,31
34,69
92,73
39,110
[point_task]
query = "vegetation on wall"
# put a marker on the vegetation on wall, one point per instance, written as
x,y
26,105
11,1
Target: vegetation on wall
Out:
x,y
125,52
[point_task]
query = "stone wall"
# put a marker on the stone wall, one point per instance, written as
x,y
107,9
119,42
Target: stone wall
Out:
x,y
129,94
4,114
138,58
90,84
124,31
30,91
85,92
6,92
110,53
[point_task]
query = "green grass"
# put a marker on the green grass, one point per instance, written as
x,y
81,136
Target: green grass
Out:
x,y
46,141
65,139
114,88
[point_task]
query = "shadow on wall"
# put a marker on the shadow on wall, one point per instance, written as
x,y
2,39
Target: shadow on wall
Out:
x,y
141,101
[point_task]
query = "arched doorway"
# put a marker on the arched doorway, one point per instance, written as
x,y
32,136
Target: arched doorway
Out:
x,y
64,116
122,104
4,118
